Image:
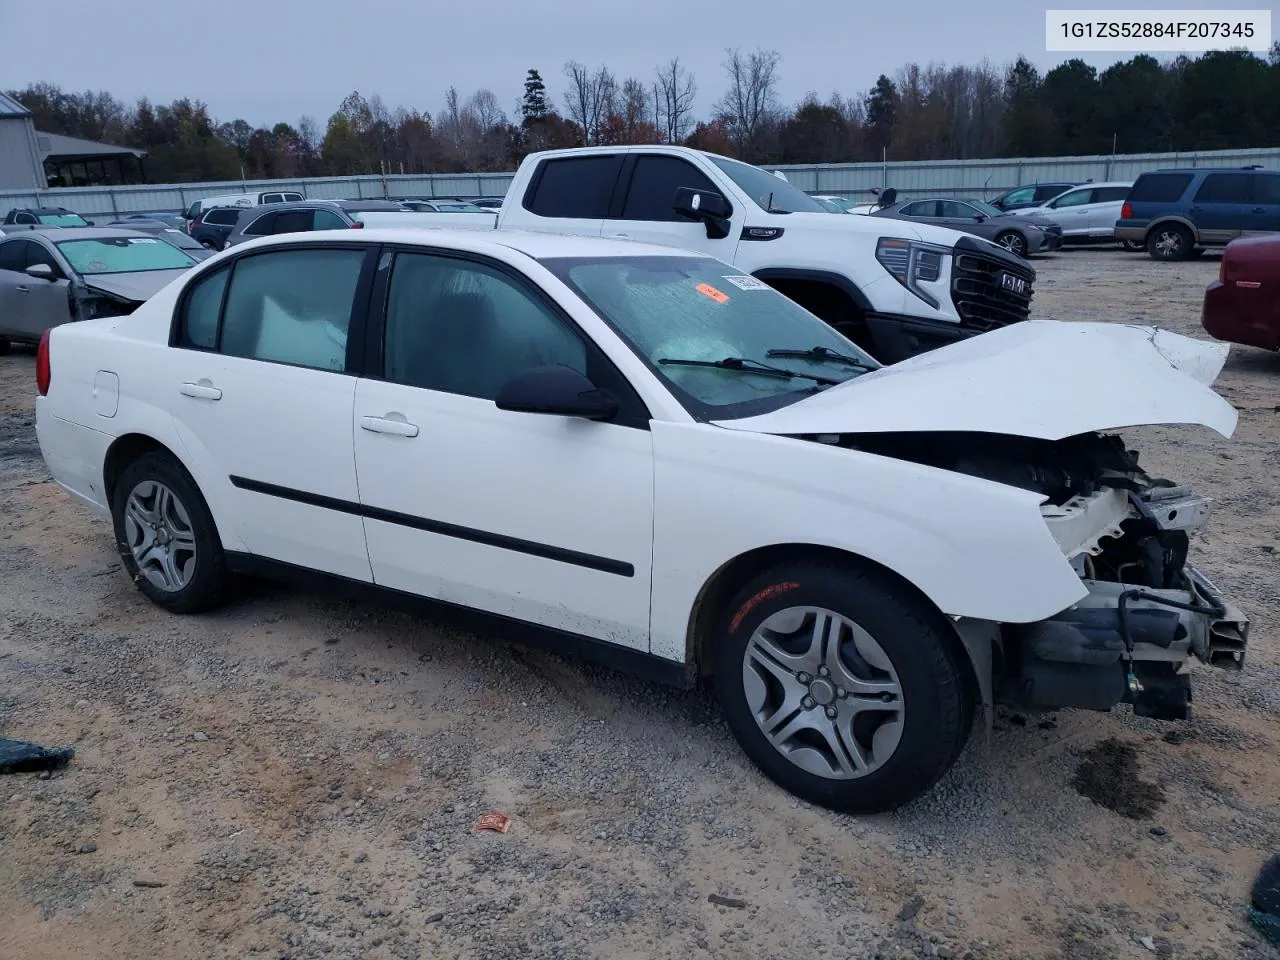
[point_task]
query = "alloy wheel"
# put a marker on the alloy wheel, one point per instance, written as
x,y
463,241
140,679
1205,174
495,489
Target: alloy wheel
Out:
x,y
160,536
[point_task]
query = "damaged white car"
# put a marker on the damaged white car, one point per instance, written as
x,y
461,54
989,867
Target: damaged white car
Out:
x,y
640,455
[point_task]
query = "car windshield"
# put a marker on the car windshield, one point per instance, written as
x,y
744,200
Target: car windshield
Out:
x,y
179,239
122,255
700,309
773,194
62,220
988,209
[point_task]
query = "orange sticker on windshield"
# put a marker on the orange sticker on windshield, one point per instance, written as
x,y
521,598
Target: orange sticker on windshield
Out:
x,y
707,290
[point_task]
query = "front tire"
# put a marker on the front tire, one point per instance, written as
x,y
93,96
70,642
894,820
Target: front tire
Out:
x,y
1014,242
166,536
842,685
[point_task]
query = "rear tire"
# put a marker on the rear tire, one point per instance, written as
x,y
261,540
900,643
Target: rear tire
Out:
x,y
166,536
1169,241
862,725
1133,245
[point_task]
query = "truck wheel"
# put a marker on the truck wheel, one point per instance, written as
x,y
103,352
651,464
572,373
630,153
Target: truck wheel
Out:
x,y
1014,242
1169,241
842,685
166,536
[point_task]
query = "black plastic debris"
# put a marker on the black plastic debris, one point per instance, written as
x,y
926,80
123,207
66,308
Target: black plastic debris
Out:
x,y
1266,901
18,756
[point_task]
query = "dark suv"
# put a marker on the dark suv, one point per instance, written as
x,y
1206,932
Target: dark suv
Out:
x,y
1176,214
215,225
303,216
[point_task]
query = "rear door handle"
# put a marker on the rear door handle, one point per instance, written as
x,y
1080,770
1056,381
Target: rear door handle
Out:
x,y
23,289
621,236
392,424
204,390
1259,209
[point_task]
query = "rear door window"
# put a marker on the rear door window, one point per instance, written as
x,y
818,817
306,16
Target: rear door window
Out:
x,y
262,226
223,217
1226,188
1076,198
1110,194
577,188
1160,187
327,220
293,221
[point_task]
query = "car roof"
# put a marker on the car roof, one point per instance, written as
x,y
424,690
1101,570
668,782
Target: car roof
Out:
x,y
79,233
539,246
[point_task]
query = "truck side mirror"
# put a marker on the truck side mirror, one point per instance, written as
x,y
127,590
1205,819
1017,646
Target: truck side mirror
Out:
x,y
710,207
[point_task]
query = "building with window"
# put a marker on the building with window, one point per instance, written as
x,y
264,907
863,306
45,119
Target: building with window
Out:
x,y
33,160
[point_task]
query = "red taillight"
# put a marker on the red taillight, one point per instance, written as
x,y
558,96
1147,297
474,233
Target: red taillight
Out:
x,y
43,372
357,225
1126,212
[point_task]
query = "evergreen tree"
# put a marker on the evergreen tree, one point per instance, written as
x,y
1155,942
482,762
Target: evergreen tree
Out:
x,y
533,109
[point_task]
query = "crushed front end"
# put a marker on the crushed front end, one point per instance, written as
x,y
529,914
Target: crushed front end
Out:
x,y
1148,611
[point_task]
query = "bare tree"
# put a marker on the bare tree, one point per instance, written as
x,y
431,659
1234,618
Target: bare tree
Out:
x,y
750,103
590,98
485,106
673,101
633,110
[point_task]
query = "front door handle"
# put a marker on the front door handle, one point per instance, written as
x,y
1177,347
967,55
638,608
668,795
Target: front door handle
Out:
x,y
394,424
621,236
204,390
1259,209
23,289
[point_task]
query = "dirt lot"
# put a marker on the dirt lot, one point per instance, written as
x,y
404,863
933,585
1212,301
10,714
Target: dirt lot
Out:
x,y
299,777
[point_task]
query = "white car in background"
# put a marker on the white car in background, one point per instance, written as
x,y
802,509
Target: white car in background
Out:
x,y
643,455
1087,213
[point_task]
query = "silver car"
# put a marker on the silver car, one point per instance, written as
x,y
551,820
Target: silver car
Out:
x,y
1022,236
1087,213
48,277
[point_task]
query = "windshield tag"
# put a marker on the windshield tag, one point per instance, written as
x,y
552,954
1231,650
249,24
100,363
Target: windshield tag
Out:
x,y
707,290
143,240
748,283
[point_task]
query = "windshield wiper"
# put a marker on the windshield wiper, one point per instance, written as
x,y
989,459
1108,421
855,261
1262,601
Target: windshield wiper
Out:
x,y
746,365
822,353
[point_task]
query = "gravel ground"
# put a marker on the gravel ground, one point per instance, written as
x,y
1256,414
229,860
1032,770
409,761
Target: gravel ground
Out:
x,y
296,777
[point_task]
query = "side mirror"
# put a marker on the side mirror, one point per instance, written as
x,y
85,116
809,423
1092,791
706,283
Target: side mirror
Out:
x,y
92,223
41,271
706,205
980,217
559,390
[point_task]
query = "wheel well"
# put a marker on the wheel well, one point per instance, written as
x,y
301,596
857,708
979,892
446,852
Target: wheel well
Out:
x,y
123,452
834,306
1171,223
726,581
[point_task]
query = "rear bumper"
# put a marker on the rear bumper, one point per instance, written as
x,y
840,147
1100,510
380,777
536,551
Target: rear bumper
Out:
x,y
1222,319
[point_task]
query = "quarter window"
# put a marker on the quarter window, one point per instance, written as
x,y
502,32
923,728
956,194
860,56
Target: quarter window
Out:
x,y
200,313
466,328
328,220
921,208
292,306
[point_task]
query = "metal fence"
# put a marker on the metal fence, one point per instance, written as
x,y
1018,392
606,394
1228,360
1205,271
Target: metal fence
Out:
x,y
977,178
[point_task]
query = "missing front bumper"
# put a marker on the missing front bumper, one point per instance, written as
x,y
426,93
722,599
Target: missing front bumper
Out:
x,y
1122,644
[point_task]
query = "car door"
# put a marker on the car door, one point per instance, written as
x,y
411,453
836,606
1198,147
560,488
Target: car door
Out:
x,y
646,214
1222,207
1104,210
30,305
543,518
1073,211
572,194
48,301
1266,203
13,259
957,216
261,392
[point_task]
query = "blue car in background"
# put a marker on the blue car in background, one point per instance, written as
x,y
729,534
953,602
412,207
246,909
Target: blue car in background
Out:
x,y
1176,214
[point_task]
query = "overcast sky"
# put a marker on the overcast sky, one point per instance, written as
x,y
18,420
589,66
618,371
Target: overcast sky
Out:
x,y
271,60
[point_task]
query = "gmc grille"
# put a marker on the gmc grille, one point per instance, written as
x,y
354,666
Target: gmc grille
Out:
x,y
980,299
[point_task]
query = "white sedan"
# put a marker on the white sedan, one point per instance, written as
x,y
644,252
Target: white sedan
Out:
x,y
635,453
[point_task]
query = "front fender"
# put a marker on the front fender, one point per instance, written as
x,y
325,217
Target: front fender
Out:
x,y
975,548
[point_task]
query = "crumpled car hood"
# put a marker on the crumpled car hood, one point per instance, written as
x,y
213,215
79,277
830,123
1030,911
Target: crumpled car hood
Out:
x,y
139,287
1044,379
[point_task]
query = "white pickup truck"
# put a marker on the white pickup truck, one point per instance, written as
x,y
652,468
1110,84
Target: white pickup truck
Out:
x,y
894,288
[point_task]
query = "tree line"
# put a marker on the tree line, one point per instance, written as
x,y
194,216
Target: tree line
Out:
x,y
1219,100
